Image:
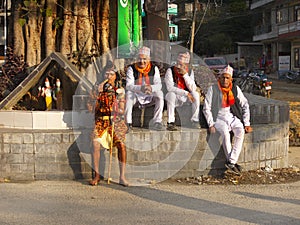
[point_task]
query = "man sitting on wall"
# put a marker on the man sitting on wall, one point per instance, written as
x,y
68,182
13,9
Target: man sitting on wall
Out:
x,y
143,86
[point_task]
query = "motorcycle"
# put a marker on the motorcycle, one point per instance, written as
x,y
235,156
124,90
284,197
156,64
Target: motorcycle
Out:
x,y
261,85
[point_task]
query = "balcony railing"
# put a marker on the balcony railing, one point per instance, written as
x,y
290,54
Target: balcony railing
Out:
x,y
259,3
262,29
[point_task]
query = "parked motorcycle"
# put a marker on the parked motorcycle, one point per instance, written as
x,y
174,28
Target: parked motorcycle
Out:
x,y
255,82
261,85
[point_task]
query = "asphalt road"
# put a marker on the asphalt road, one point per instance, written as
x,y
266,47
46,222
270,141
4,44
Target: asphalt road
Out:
x,y
71,202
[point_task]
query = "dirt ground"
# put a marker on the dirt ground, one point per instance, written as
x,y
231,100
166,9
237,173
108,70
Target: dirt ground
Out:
x,y
281,90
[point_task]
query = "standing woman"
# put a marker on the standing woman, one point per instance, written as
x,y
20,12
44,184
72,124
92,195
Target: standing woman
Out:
x,y
109,110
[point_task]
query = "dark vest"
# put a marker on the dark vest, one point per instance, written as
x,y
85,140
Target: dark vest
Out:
x,y
150,74
174,79
217,103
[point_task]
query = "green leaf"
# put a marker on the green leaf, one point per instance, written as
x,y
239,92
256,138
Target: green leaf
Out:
x,y
26,3
22,22
48,12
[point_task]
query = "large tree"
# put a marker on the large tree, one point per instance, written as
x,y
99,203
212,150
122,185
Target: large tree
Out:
x,y
75,28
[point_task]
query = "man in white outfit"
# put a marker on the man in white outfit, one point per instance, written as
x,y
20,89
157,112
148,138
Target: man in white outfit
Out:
x,y
181,87
143,86
226,109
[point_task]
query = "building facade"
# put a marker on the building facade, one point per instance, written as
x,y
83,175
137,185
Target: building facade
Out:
x,y
278,28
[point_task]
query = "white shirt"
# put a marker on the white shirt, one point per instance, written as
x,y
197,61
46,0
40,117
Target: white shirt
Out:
x,y
172,86
131,86
225,113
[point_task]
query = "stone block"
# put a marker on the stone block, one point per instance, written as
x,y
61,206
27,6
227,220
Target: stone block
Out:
x,y
46,168
15,158
28,138
29,159
53,138
6,148
39,138
22,148
14,138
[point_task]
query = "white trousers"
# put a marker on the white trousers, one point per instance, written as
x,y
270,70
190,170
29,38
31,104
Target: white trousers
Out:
x,y
158,101
232,151
173,101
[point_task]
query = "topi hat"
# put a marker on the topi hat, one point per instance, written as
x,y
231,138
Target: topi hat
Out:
x,y
144,51
184,57
228,70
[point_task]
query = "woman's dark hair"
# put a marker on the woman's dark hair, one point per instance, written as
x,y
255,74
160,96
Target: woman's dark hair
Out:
x,y
101,77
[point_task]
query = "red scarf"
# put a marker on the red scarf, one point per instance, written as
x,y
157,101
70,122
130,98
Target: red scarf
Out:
x,y
228,97
143,72
179,80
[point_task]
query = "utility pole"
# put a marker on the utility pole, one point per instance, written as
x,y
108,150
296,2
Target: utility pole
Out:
x,y
193,26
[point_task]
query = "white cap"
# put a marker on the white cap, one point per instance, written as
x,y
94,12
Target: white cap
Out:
x,y
144,51
184,58
228,70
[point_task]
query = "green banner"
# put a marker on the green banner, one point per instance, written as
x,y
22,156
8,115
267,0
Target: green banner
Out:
x,y
129,27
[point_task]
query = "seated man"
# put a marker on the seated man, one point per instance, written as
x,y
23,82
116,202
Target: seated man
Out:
x,y
226,109
181,88
143,86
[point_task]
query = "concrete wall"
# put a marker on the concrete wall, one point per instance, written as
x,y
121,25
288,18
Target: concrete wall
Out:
x,y
37,154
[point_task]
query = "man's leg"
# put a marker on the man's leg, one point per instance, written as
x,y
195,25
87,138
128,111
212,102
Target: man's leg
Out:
x,y
195,107
171,99
130,101
238,138
159,106
223,129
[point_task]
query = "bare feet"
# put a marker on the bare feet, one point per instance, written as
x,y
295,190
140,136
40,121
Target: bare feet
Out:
x,y
124,182
95,181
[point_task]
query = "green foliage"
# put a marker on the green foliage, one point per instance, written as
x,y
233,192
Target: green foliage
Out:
x,y
22,21
222,27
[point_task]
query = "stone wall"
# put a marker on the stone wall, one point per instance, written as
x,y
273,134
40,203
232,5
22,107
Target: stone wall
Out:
x,y
35,154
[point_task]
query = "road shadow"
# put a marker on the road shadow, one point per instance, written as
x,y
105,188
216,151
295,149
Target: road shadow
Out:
x,y
209,207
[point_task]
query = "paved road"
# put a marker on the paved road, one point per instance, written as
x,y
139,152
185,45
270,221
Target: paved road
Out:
x,y
71,202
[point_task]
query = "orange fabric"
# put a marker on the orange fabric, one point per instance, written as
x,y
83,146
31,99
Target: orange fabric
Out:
x,y
179,80
143,72
228,97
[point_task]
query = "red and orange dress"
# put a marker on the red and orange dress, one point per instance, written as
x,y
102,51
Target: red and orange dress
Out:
x,y
109,108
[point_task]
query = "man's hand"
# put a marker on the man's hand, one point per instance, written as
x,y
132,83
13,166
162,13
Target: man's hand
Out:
x,y
147,89
212,130
190,97
181,69
248,129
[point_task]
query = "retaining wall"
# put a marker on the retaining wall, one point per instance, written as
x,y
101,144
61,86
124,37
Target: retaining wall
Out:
x,y
37,154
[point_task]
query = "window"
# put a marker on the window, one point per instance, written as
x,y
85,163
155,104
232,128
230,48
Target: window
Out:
x,y
281,15
297,13
297,57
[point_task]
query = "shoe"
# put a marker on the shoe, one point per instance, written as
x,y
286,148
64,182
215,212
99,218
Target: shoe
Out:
x,y
238,167
195,125
129,127
232,168
157,126
171,127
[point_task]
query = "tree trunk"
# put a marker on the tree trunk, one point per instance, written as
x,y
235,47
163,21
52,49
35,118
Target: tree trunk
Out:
x,y
50,28
84,28
18,37
105,30
69,31
33,34
97,23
